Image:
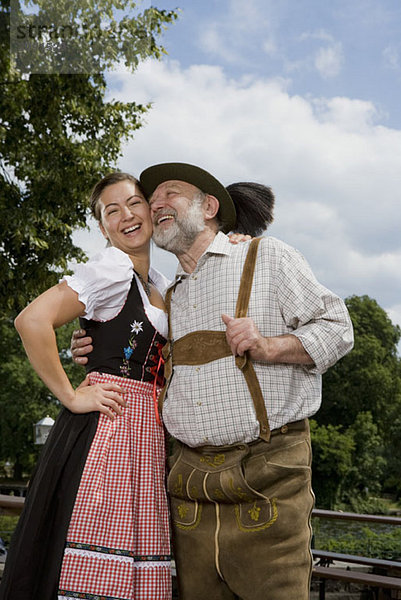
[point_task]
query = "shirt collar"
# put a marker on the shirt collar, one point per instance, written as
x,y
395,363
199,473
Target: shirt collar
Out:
x,y
219,245
159,280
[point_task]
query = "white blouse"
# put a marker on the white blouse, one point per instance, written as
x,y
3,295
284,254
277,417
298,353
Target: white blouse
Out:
x,y
103,283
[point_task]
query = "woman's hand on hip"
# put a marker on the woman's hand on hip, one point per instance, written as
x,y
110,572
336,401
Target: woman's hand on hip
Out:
x,y
103,397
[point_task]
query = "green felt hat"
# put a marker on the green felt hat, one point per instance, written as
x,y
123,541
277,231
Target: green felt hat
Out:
x,y
153,176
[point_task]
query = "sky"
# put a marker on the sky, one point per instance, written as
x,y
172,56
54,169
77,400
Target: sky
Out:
x,y
301,95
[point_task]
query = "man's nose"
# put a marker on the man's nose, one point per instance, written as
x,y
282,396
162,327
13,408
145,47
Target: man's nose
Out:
x,y
157,204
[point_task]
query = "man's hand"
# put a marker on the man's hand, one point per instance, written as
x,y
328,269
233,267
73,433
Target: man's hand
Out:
x,y
80,346
243,335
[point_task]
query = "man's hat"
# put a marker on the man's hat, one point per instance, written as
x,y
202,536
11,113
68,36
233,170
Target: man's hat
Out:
x,y
153,176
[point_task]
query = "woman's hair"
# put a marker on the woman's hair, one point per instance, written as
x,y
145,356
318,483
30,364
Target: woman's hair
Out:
x,y
254,205
101,185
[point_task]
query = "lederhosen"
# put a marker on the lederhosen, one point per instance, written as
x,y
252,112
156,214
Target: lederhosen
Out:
x,y
228,512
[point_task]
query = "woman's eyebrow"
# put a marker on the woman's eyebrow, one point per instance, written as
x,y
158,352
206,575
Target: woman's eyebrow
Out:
x,y
111,202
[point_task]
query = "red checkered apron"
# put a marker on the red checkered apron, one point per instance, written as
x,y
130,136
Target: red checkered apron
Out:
x,y
118,539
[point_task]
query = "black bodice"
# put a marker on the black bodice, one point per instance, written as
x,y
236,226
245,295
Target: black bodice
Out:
x,y
128,345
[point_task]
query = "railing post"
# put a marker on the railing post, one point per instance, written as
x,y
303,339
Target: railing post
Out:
x,y
322,589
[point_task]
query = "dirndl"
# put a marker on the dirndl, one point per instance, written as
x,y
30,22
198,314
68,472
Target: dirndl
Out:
x,y
34,558
117,545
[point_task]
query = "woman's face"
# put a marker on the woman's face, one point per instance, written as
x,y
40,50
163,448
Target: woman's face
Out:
x,y
125,217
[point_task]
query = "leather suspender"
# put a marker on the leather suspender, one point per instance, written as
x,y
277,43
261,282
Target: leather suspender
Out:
x,y
203,346
244,362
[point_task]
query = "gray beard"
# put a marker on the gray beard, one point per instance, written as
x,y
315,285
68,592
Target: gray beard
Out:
x,y
181,234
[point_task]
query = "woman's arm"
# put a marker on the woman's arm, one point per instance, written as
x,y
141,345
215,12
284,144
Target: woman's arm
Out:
x,y
36,325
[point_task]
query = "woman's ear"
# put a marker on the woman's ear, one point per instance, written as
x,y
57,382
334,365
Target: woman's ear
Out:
x,y
102,229
211,207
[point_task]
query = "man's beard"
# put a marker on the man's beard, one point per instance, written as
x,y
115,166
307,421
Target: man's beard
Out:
x,y
181,234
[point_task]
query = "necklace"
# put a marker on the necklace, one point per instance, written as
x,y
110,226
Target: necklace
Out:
x,y
146,284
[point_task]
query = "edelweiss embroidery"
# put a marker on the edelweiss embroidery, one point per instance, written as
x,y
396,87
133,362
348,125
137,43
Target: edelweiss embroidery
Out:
x,y
136,327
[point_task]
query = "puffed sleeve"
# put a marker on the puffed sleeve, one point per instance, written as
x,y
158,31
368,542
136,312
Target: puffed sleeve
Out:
x,y
102,283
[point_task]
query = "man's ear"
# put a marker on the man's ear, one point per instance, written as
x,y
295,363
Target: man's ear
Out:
x,y
211,207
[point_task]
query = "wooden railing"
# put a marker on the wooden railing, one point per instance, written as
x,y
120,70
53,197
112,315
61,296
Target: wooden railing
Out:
x,y
389,577
11,505
385,574
348,516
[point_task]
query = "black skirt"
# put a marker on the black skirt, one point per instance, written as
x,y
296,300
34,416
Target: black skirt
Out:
x,y
34,559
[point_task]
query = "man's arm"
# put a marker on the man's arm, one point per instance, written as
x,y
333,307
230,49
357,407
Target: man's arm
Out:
x,y
81,345
243,336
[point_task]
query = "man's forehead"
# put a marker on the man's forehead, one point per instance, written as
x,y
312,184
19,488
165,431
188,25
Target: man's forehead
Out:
x,y
176,183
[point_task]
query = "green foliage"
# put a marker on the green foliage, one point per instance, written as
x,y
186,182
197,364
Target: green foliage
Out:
x,y
370,319
332,462
24,398
7,525
367,543
368,464
369,378
59,133
364,505
361,402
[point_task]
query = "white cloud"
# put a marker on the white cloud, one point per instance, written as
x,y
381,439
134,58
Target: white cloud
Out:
x,y
348,114
213,42
269,47
329,60
319,34
391,57
336,171
232,37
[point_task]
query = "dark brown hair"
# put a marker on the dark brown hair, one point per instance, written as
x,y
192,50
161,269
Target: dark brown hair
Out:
x,y
101,185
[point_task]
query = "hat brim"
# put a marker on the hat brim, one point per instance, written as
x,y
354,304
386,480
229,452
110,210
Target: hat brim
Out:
x,y
153,176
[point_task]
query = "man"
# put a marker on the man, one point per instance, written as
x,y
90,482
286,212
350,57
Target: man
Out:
x,y
239,481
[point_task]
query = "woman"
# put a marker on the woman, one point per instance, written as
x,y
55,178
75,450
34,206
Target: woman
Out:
x,y
95,523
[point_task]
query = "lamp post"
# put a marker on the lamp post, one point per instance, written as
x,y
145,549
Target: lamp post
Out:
x,y
41,430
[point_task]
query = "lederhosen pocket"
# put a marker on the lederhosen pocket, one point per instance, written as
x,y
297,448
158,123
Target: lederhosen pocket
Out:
x,y
215,475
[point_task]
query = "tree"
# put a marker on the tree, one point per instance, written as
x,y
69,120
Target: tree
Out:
x,y
332,462
365,476
369,378
58,133
362,402
24,399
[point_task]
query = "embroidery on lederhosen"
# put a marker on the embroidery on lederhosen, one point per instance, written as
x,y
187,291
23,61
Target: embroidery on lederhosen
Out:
x,y
196,478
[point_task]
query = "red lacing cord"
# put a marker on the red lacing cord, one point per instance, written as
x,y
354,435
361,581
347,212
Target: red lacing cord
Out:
x,y
155,403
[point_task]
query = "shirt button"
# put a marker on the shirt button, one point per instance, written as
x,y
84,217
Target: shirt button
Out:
x,y
194,277
205,439
197,369
199,403
194,305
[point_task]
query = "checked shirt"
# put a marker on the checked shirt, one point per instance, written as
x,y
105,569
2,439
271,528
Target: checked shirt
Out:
x,y
211,404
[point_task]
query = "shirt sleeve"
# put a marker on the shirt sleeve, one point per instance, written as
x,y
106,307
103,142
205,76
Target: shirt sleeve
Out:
x,y
102,283
317,316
